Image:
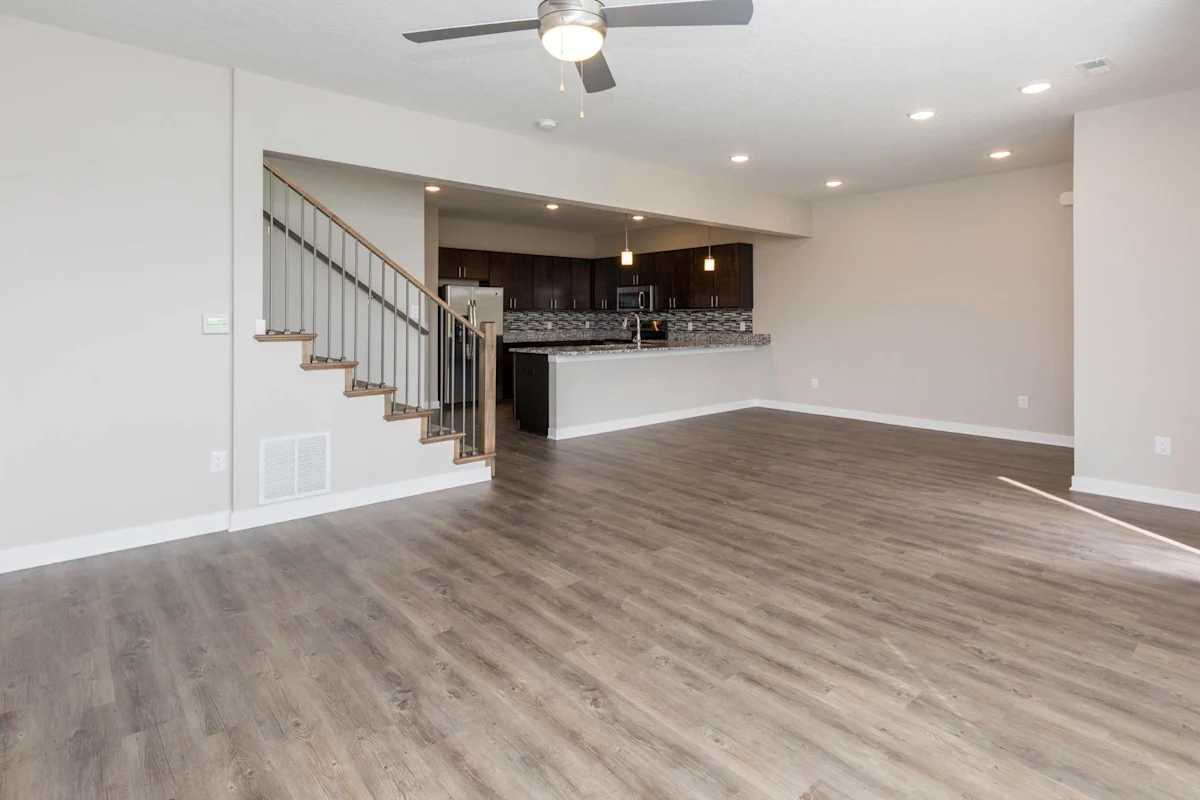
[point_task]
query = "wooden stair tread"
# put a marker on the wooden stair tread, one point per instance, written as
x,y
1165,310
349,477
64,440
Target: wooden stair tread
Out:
x,y
474,458
316,365
370,392
285,337
408,415
442,437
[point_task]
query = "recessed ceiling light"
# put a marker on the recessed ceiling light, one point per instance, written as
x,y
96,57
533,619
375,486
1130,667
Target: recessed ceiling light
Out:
x,y
833,184
552,206
924,114
740,158
1001,154
1035,88
638,218
433,188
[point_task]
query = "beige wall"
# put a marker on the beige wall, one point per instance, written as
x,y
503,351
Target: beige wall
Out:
x,y
1137,299
473,234
942,302
115,219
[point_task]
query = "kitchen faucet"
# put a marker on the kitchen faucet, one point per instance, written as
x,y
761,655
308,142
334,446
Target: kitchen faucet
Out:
x,y
625,326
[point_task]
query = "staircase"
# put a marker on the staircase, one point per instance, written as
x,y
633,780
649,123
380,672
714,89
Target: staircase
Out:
x,y
352,308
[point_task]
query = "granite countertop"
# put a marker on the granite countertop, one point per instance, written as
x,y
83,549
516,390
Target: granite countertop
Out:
x,y
682,342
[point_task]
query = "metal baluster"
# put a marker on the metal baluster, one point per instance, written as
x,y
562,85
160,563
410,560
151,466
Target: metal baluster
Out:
x,y
287,252
395,345
342,307
370,277
383,271
443,377
354,299
302,240
314,282
453,335
270,299
475,387
407,325
464,383
329,291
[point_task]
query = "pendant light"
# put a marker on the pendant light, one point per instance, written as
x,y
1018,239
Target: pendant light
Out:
x,y
710,263
626,254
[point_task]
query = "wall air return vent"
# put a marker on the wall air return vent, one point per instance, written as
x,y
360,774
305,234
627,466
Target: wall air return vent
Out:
x,y
1097,66
293,466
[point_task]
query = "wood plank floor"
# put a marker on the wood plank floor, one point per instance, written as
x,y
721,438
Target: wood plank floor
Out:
x,y
752,605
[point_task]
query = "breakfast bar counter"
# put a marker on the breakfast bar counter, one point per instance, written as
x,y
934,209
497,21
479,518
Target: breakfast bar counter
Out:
x,y
579,390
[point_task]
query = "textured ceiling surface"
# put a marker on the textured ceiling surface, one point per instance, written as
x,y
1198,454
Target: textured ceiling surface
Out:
x,y
463,203
812,89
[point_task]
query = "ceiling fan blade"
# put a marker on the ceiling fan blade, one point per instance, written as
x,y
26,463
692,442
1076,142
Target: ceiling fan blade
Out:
x,y
597,77
464,31
690,12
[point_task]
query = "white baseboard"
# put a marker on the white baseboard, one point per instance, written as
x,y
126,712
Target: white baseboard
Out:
x,y
1056,439
39,555
1139,494
340,501
575,431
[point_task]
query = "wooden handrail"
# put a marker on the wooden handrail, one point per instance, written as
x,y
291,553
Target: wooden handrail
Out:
x,y
379,253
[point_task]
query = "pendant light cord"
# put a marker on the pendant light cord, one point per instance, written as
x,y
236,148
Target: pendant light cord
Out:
x,y
581,90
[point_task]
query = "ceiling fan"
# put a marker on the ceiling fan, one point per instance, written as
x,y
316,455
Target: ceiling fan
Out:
x,y
574,30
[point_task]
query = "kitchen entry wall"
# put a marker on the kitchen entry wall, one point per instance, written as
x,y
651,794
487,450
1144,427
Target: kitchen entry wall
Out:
x,y
717,320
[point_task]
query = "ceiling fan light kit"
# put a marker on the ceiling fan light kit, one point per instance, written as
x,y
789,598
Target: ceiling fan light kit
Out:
x,y
575,30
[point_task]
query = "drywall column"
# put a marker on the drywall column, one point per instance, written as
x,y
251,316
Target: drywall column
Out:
x,y
1137,300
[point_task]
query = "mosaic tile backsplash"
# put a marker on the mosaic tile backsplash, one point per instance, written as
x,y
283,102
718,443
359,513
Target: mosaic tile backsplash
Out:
x,y
727,320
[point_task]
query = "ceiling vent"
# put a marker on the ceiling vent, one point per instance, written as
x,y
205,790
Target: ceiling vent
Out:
x,y
1097,66
293,466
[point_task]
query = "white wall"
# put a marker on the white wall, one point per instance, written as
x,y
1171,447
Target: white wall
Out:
x,y
115,216
474,234
1137,299
942,302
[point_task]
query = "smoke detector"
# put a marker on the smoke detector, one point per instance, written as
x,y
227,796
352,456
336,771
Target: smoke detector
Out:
x,y
547,125
1097,66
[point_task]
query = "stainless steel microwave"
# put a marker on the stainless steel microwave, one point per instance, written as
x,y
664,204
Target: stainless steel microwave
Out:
x,y
636,298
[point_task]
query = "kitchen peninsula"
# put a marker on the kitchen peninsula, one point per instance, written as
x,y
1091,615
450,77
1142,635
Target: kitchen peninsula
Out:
x,y
578,390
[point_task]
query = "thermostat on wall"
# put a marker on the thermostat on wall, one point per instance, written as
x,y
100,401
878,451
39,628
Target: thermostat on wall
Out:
x,y
215,324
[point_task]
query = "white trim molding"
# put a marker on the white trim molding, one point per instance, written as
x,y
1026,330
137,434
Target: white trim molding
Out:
x,y
576,431
1135,492
39,555
274,513
1055,439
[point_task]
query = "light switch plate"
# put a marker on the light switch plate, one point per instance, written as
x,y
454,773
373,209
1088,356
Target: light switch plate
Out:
x,y
217,461
743,327
816,384
1023,402
215,324
1162,446
549,325
689,326
587,324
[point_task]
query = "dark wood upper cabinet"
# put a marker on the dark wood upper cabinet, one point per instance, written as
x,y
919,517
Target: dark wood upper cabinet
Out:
x,y
543,282
475,265
605,277
513,273
581,284
642,273
673,270
731,284
560,299
450,262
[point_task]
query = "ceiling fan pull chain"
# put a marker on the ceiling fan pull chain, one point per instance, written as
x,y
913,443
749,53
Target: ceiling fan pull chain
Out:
x,y
562,66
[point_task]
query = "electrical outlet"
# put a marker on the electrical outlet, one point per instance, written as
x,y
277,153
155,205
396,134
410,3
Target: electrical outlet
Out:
x,y
1022,402
816,384
587,324
1162,446
689,326
549,325
743,327
217,461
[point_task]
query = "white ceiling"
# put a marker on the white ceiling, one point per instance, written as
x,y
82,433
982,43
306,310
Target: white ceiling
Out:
x,y
812,89
453,201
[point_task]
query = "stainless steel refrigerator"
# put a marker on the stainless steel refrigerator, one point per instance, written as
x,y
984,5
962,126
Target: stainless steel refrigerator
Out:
x,y
477,304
